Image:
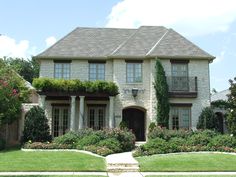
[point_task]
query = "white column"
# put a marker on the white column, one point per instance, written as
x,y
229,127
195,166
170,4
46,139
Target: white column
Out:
x,y
72,113
111,112
42,101
81,112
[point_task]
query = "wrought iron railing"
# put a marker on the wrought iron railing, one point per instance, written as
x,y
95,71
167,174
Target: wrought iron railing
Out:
x,y
182,84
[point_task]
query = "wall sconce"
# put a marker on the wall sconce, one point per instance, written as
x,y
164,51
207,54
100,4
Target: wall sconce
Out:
x,y
134,92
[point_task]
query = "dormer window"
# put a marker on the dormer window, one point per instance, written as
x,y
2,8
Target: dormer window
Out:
x,y
62,69
96,71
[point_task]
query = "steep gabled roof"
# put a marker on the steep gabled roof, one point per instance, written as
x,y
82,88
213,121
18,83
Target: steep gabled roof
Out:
x,y
144,42
88,42
175,45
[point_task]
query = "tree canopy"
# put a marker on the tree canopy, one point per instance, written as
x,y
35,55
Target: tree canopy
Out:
x,y
28,69
231,118
12,93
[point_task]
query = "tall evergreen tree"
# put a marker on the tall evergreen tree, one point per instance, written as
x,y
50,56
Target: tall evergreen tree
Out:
x,y
161,89
231,118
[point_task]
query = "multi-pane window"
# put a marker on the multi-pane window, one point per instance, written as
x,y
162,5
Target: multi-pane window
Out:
x,y
62,70
134,72
96,71
180,117
180,80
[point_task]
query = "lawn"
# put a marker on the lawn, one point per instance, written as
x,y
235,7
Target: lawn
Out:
x,y
55,176
16,160
188,162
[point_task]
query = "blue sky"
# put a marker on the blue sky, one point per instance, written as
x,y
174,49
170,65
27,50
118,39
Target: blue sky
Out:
x,y
29,27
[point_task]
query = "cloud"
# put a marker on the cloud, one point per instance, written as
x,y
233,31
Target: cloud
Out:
x,y
10,48
192,18
50,41
220,57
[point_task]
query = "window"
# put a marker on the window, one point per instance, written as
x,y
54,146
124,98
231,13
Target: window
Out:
x,y
180,117
96,71
180,77
62,70
134,72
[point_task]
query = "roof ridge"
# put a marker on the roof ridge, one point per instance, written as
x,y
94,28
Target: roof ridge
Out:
x,y
167,30
123,43
77,28
107,28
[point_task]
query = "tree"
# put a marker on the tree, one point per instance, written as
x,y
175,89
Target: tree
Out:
x,y
231,118
208,120
28,69
12,93
161,90
36,128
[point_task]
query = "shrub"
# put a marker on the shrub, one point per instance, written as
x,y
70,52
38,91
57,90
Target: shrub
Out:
x,y
69,138
111,143
223,140
151,127
100,150
177,141
125,137
198,139
2,144
36,126
156,146
166,134
208,120
88,140
123,125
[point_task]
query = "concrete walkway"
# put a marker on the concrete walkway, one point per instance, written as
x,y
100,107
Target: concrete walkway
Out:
x,y
122,162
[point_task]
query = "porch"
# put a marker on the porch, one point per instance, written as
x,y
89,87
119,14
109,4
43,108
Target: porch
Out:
x,y
72,112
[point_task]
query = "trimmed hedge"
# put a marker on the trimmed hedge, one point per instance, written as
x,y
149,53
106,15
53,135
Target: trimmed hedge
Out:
x,y
2,144
75,85
162,141
102,142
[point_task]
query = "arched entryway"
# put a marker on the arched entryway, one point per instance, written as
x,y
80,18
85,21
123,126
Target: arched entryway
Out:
x,y
220,121
135,119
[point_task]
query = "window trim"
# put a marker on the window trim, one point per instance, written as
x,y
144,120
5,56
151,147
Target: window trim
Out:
x,y
180,106
134,62
97,63
62,71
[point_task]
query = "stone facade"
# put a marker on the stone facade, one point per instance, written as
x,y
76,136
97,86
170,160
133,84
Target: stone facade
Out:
x,y
115,70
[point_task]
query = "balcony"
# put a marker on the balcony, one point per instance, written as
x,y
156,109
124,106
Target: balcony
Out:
x,y
182,87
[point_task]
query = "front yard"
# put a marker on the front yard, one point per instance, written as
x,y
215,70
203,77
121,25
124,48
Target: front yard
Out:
x,y
190,162
16,160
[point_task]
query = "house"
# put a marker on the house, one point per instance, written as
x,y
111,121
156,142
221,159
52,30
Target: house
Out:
x,y
127,58
220,110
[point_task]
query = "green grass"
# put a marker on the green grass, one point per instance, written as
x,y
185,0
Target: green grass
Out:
x,y
188,162
55,176
16,160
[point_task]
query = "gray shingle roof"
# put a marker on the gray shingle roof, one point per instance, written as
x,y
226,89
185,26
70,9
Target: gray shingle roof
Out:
x,y
146,41
220,95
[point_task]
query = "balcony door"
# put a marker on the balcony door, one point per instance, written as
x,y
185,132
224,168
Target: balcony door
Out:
x,y
60,124
96,117
180,77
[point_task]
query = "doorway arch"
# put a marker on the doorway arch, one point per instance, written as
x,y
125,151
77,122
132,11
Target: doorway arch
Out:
x,y
135,119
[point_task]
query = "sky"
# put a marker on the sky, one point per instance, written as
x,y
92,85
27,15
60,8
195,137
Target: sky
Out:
x,y
28,27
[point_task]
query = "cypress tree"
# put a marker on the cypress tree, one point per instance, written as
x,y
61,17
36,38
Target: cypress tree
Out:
x,y
161,89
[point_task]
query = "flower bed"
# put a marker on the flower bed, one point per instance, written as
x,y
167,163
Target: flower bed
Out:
x,y
102,142
162,141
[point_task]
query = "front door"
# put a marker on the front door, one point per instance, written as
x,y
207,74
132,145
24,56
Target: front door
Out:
x,y
135,121
60,121
96,117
